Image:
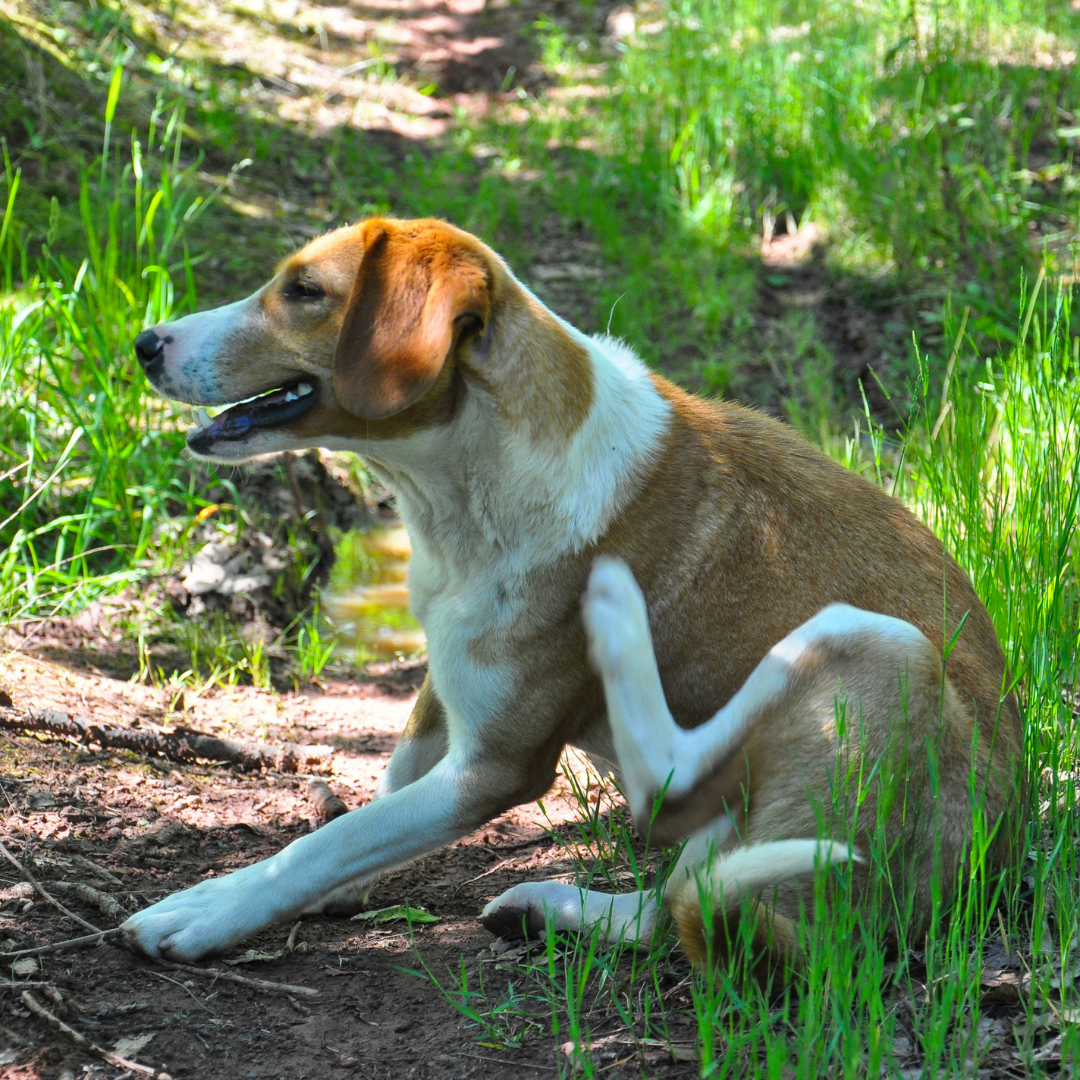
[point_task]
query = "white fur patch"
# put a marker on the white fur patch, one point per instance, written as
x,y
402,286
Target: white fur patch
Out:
x,y
653,750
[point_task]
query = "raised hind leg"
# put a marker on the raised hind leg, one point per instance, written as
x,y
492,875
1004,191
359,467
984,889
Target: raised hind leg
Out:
x,y
701,773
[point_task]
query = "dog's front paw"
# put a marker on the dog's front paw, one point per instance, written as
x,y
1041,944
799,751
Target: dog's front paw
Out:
x,y
616,621
198,922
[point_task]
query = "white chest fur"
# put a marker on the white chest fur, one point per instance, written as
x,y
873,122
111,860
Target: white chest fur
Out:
x,y
458,604
486,509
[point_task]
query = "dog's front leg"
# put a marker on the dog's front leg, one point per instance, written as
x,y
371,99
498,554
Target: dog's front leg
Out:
x,y
423,744
449,801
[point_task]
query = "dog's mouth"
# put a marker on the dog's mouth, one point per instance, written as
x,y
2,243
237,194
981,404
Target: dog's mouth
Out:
x,y
267,410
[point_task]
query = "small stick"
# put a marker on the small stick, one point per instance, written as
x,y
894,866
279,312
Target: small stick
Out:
x,y
37,886
290,944
490,870
89,864
240,980
327,805
109,906
187,990
303,1010
115,1060
60,946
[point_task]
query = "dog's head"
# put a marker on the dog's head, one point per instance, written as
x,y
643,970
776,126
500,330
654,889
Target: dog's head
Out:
x,y
358,335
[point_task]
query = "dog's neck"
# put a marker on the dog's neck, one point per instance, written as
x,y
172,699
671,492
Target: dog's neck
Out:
x,y
548,444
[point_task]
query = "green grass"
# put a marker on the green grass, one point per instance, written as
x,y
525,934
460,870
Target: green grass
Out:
x,y
90,480
933,143
929,137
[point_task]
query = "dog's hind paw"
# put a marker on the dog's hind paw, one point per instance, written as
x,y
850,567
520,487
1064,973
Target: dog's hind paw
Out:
x,y
514,921
615,617
526,910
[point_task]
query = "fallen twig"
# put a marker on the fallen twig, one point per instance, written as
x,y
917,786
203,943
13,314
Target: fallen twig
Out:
x,y
81,1040
187,990
61,946
303,1010
487,873
100,871
326,803
181,744
109,906
240,980
38,888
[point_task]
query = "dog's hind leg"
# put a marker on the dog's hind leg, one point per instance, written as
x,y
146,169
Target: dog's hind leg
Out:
x,y
655,754
531,908
701,773
422,745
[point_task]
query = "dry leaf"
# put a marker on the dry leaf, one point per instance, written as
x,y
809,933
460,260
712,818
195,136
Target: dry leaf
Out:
x,y
25,966
130,1045
1000,986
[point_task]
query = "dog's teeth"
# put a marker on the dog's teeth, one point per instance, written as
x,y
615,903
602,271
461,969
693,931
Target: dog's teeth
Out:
x,y
202,418
290,396
303,389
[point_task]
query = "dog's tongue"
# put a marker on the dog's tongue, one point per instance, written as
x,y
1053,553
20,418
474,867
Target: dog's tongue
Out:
x,y
269,410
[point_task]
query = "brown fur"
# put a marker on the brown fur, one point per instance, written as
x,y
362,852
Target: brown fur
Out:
x,y
415,310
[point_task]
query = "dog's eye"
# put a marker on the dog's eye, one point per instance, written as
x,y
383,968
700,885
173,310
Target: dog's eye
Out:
x,y
304,290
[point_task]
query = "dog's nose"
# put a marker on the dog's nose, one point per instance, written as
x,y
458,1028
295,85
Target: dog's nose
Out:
x,y
149,349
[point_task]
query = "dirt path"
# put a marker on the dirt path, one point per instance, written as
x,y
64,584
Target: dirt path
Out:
x,y
137,829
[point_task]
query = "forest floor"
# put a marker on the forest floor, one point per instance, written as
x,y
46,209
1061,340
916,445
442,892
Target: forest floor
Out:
x,y
137,829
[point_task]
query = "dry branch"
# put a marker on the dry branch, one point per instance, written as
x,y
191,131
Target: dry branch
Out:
x,y
109,906
115,1060
326,803
240,980
97,871
62,946
181,744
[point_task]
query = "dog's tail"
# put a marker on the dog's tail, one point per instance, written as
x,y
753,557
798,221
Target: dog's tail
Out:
x,y
746,871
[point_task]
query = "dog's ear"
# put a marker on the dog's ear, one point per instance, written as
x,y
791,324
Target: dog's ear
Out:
x,y
412,299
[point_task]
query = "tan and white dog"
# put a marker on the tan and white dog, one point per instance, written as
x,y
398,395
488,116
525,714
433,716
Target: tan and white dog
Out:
x,y
742,595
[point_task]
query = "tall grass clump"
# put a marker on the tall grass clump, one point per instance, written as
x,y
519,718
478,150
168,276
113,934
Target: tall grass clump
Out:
x,y
928,136
88,461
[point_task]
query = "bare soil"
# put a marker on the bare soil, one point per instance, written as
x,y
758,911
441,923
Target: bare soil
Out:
x,y
138,829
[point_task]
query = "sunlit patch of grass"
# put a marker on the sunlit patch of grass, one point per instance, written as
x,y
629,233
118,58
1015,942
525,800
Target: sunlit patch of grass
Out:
x,y
927,134
89,480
